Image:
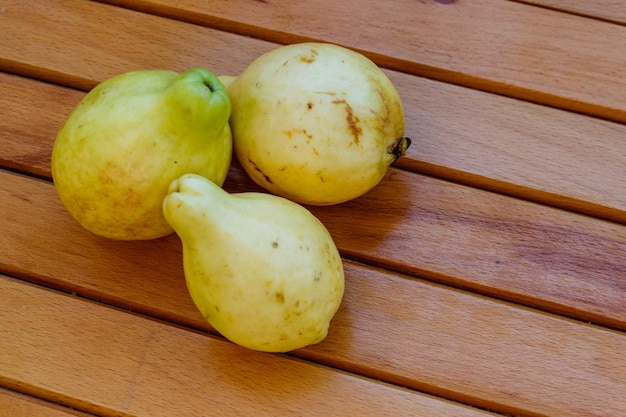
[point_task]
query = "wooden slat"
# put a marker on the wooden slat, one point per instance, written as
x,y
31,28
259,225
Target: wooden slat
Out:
x,y
492,244
517,148
13,404
390,327
99,41
113,363
32,114
502,46
53,257
610,10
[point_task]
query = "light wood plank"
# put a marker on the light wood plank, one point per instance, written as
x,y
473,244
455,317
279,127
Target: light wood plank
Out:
x,y
14,404
489,243
610,10
117,364
99,41
392,328
32,114
501,46
498,356
517,148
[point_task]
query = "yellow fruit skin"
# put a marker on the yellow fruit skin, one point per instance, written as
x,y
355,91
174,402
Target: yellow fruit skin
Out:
x,y
315,122
260,268
121,147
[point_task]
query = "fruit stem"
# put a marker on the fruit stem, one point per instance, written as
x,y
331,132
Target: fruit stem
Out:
x,y
400,147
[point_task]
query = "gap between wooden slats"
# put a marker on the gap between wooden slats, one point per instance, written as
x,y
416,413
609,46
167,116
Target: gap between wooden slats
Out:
x,y
509,48
14,404
608,10
112,363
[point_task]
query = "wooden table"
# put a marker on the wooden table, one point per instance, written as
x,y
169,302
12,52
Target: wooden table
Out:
x,y
485,276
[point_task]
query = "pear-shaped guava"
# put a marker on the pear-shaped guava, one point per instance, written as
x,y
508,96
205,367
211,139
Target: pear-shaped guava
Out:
x,y
260,268
129,137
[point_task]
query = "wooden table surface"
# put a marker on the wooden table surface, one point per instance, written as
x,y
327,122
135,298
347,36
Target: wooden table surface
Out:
x,y
485,275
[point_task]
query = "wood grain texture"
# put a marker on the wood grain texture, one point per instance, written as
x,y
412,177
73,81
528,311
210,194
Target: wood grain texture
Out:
x,y
510,48
390,327
117,364
609,10
458,299
590,262
525,150
517,148
99,41
13,404
489,243
33,112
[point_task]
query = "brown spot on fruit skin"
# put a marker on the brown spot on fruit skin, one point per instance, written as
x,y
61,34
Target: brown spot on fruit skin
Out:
x,y
292,132
257,169
353,121
309,59
280,297
327,93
